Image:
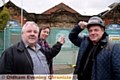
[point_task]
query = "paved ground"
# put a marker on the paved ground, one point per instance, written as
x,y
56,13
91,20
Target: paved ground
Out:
x,y
63,69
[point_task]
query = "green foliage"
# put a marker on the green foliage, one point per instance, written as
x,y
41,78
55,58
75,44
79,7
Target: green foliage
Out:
x,y
4,17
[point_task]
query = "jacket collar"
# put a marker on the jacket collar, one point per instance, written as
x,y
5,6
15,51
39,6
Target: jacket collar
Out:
x,y
104,40
21,46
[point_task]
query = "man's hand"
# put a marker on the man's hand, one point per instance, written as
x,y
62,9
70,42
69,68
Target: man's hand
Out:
x,y
61,40
82,24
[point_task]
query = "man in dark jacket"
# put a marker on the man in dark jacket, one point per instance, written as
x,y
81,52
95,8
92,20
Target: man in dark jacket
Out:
x,y
27,57
98,58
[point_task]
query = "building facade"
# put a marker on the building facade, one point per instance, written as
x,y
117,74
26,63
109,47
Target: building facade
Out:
x,y
61,15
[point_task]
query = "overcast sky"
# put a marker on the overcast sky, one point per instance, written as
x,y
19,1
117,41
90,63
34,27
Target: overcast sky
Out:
x,y
84,7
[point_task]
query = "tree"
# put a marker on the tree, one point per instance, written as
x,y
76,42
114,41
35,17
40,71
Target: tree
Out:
x,y
4,17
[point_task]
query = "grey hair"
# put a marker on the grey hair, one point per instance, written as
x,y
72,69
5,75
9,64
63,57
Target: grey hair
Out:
x,y
28,23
